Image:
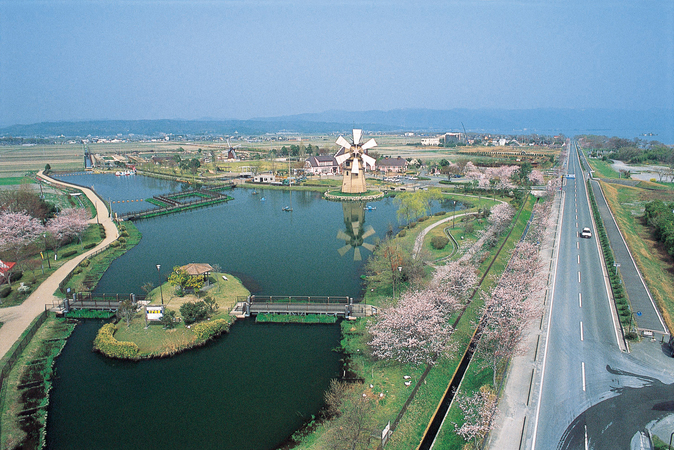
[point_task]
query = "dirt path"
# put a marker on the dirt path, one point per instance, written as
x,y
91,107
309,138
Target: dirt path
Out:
x,y
17,318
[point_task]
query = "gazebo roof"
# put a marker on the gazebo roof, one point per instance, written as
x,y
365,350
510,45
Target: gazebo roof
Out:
x,y
197,268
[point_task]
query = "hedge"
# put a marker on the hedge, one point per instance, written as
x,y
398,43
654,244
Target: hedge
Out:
x,y
5,290
106,343
208,330
68,253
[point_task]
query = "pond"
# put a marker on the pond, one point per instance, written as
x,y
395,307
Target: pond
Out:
x,y
252,388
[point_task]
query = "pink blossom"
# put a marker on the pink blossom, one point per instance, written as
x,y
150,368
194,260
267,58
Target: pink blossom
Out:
x,y
68,224
414,331
18,229
479,411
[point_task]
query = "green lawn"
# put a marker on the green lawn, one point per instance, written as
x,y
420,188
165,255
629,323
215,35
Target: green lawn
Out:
x,y
11,181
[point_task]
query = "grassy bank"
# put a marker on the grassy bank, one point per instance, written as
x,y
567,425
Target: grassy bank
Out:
x,y
155,341
656,266
25,395
87,274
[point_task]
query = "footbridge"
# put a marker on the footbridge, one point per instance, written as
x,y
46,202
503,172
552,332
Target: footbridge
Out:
x,y
89,300
300,306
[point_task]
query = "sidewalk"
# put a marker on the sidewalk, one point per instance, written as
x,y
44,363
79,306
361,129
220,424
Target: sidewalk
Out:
x,y
17,318
516,402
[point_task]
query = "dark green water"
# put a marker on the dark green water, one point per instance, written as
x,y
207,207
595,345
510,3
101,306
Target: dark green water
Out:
x,y
252,388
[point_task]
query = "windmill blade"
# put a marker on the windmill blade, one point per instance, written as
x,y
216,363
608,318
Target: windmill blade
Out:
x,y
368,246
356,254
343,157
355,226
343,236
356,136
343,142
342,251
369,160
354,166
369,144
237,146
369,231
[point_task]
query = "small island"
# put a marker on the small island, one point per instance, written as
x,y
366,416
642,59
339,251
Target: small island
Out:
x,y
192,316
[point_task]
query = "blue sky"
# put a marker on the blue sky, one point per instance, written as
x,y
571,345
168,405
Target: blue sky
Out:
x,y
77,60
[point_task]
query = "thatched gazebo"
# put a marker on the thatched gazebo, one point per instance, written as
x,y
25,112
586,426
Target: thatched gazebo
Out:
x,y
198,269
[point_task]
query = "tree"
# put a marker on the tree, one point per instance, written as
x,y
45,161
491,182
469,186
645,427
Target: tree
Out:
x,y
414,331
193,165
479,411
522,175
47,168
168,319
210,302
428,197
353,427
18,231
69,224
126,310
410,206
382,265
194,311
26,200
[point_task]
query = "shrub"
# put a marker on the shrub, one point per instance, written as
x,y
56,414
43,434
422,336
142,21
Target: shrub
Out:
x,y
5,290
15,276
194,311
106,343
631,336
211,329
90,245
439,242
68,253
114,244
411,225
402,233
124,233
122,240
440,213
423,219
85,263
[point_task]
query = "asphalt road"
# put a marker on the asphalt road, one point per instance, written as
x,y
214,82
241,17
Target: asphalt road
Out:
x,y
592,394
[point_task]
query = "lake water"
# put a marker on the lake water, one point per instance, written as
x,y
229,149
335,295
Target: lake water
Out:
x,y
252,388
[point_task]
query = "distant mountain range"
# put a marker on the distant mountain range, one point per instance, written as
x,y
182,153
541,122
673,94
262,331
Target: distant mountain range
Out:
x,y
623,123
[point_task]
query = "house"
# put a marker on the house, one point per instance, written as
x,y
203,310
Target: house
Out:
x,y
398,165
321,164
451,137
430,141
264,178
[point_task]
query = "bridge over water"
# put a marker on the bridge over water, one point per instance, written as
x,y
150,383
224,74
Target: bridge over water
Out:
x,y
300,306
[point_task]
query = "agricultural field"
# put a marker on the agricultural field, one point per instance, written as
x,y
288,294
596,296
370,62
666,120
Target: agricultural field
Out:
x,y
17,160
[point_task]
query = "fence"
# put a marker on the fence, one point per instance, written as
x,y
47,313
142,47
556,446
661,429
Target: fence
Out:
x,y
67,278
15,352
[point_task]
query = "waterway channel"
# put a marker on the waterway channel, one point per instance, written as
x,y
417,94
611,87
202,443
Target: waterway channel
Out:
x,y
252,388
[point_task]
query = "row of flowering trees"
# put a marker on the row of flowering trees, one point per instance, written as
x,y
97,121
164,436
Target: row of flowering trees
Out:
x,y
20,232
417,328
503,177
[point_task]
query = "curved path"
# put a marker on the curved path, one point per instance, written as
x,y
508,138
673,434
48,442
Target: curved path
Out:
x,y
17,318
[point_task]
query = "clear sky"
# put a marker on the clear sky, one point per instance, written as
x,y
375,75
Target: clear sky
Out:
x,y
115,59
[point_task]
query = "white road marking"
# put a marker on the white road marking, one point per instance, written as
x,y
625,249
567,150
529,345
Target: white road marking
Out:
x,y
576,216
578,259
577,244
580,301
579,276
587,442
581,331
583,370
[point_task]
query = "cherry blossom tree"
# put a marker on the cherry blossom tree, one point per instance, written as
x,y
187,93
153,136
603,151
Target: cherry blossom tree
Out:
x,y
18,231
536,177
509,308
70,223
414,331
500,216
479,411
451,286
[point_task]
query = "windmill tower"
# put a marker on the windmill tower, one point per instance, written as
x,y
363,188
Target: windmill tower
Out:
x,y
355,161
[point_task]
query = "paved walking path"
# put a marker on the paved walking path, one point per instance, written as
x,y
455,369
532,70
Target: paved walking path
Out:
x,y
17,318
419,241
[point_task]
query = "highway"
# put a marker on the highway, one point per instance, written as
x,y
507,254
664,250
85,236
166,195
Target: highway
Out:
x,y
592,393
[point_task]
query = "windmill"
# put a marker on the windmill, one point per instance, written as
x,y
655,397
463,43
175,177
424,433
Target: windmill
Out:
x,y
231,151
355,233
355,161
